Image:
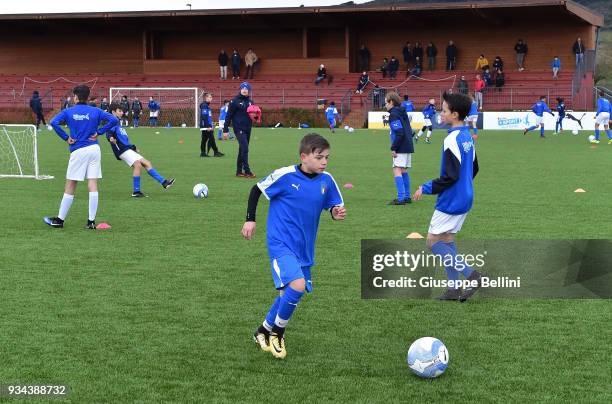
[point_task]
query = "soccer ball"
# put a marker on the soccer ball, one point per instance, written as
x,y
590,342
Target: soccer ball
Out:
x,y
575,132
200,191
183,125
591,138
346,127
427,357
351,130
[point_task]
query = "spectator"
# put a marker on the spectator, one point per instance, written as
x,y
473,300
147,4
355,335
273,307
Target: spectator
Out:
x,y
462,86
482,63
37,108
104,105
363,58
322,75
384,67
67,103
486,76
500,80
418,51
236,65
364,79
93,101
521,51
407,54
556,66
378,97
393,67
578,49
479,85
451,56
250,59
418,67
498,64
432,52
223,59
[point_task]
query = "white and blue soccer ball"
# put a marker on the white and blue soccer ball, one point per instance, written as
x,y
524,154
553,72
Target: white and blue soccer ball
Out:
x,y
591,138
346,127
427,357
351,130
200,191
183,125
575,132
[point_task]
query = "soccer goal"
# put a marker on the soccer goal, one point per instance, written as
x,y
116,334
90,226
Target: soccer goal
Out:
x,y
19,152
178,105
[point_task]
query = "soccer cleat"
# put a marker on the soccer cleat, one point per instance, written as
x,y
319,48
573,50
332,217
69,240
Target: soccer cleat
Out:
x,y
397,202
91,225
219,154
277,346
168,183
450,294
249,175
54,222
610,141
427,140
595,141
474,137
139,194
407,201
203,155
524,131
469,292
239,175
262,340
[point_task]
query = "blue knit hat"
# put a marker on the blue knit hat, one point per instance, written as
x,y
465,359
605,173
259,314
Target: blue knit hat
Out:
x,y
246,85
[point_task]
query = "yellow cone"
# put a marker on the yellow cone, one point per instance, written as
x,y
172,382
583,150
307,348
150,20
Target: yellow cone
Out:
x,y
580,190
414,235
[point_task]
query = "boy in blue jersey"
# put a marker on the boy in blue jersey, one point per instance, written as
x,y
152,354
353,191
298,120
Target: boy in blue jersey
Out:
x,y
401,147
298,194
602,117
83,121
408,106
538,109
429,112
222,115
455,192
207,128
126,151
153,112
136,111
331,113
472,118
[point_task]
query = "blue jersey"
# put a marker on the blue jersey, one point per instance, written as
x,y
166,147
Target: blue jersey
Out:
x,y
561,110
296,202
408,106
330,113
429,111
223,113
401,132
603,105
153,105
83,121
122,140
540,107
473,109
205,116
458,168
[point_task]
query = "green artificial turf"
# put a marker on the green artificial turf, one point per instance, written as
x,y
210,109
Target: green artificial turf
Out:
x,y
161,307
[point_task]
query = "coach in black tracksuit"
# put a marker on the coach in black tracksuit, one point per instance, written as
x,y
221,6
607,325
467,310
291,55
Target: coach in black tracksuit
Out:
x,y
36,107
242,124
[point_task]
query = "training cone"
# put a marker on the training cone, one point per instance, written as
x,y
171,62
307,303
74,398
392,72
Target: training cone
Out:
x,y
103,226
414,235
580,191
181,141
348,185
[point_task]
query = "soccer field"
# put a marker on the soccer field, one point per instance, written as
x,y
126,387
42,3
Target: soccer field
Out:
x,y
161,307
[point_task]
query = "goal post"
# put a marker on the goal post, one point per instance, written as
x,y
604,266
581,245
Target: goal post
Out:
x,y
178,105
19,152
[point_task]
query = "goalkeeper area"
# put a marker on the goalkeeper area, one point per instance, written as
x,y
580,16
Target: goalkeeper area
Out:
x,y
179,105
171,317
19,152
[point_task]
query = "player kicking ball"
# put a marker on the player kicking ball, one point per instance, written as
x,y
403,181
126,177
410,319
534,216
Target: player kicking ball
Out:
x,y
298,194
455,194
124,150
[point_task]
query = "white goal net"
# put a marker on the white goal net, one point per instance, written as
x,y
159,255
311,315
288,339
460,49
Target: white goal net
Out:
x,y
178,105
19,152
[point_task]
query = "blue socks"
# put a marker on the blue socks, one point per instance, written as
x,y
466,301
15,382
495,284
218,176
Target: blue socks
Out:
x,y
476,131
456,266
271,316
406,181
136,182
287,305
596,134
529,129
399,184
609,134
541,131
153,173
